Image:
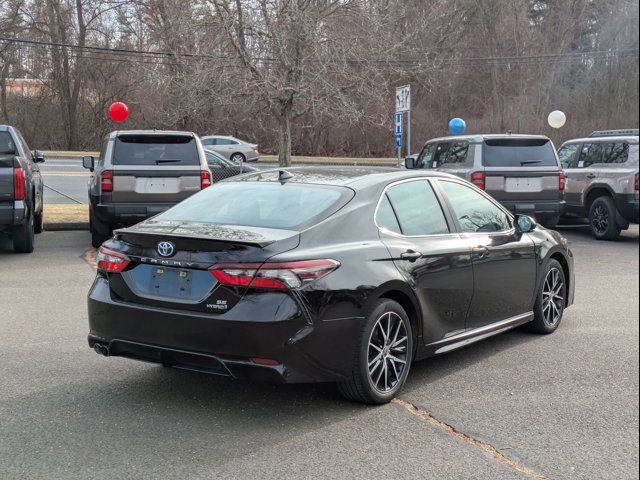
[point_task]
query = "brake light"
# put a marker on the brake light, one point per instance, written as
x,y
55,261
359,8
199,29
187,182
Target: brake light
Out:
x,y
274,275
18,184
106,181
563,181
110,261
478,179
205,179
254,148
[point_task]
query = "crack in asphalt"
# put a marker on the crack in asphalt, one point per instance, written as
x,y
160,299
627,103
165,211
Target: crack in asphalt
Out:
x,y
487,448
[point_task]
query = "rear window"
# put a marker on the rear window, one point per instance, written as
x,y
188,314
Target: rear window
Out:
x,y
268,205
7,147
170,150
517,152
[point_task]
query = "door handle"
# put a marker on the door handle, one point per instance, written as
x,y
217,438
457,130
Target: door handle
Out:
x,y
410,255
480,252
591,176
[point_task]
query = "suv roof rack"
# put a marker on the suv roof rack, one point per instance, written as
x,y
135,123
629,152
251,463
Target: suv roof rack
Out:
x,y
615,133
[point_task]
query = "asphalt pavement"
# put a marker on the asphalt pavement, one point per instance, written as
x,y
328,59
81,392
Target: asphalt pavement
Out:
x,y
513,406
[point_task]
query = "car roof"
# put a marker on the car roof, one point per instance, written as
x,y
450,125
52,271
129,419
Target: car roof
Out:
x,y
622,138
480,137
221,136
354,177
150,132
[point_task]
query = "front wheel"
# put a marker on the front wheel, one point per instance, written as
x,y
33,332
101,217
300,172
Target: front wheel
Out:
x,y
551,300
383,356
602,219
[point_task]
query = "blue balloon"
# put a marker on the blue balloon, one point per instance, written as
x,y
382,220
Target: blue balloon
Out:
x,y
457,126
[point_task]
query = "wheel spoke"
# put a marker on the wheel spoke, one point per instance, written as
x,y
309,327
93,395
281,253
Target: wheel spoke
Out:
x,y
376,359
388,348
375,367
396,359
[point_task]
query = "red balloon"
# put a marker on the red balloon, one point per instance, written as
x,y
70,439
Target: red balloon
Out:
x,y
118,112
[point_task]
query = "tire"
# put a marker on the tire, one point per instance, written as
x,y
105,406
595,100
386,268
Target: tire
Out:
x,y
550,223
38,221
602,219
24,236
386,377
548,309
238,158
97,228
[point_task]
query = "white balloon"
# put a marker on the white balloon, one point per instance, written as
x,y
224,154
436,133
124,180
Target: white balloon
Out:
x,y
557,119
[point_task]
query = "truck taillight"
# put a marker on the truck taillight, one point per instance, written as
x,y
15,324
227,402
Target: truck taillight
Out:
x,y
110,261
562,181
478,179
205,179
19,192
106,181
273,275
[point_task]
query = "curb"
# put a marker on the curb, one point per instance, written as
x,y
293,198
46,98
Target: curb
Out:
x,y
65,226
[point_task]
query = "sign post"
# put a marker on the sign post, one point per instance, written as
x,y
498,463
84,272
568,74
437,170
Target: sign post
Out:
x,y
403,104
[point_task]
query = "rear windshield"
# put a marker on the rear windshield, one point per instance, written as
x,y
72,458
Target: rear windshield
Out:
x,y
7,147
516,152
170,150
269,205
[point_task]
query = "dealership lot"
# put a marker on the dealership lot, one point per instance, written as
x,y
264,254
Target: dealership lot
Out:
x,y
520,405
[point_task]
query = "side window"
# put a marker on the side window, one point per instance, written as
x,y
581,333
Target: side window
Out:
x,y
455,154
25,147
426,156
417,209
385,217
213,160
225,141
616,152
208,141
567,155
103,150
474,212
591,153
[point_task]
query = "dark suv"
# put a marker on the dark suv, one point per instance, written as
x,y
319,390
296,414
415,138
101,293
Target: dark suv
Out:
x,y
141,173
522,172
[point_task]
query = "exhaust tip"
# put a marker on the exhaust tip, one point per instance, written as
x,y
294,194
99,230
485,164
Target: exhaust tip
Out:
x,y
101,349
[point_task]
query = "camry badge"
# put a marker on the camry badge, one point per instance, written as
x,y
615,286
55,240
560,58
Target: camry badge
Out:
x,y
165,249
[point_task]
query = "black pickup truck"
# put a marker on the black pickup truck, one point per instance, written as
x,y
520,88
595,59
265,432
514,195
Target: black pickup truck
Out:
x,y
20,190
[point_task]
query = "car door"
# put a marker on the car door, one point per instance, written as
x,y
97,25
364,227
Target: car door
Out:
x,y
584,174
504,261
568,156
430,255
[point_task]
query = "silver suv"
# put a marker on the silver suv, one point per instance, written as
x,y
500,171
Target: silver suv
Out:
x,y
522,172
141,173
602,180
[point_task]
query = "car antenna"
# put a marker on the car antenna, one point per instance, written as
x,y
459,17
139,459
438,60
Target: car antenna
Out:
x,y
284,175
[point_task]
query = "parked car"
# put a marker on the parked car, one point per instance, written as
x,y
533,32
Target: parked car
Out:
x,y
222,168
21,190
340,275
141,173
602,180
522,172
232,148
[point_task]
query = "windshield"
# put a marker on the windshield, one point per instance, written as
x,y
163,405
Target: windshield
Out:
x,y
517,152
269,205
171,150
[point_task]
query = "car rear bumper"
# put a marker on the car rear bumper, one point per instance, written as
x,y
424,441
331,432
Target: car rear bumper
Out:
x,y
539,210
223,345
127,213
627,205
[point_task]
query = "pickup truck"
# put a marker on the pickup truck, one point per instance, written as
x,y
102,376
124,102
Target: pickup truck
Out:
x,y
21,188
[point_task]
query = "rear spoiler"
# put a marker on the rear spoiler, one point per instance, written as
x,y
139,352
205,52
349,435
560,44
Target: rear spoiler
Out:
x,y
615,133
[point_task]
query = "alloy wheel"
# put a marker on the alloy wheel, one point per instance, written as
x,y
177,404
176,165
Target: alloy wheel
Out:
x,y
553,297
600,220
387,352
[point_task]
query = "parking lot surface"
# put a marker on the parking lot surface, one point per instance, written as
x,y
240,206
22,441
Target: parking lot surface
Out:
x,y
514,406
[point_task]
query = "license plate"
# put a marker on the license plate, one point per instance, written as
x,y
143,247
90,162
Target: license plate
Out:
x,y
171,282
523,184
157,185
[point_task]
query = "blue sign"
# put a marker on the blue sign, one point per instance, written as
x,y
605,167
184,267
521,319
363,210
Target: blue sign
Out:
x,y
399,141
398,123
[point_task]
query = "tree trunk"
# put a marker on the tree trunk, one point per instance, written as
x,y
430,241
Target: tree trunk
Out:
x,y
284,147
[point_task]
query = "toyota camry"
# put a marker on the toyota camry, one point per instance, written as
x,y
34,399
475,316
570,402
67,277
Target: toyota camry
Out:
x,y
312,275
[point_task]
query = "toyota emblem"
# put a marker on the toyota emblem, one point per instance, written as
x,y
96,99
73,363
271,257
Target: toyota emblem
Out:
x,y
166,249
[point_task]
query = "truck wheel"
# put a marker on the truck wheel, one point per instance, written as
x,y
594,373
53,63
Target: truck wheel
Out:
x,y
38,221
98,229
602,219
23,236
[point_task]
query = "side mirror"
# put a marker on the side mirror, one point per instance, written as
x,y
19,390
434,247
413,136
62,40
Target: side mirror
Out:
x,y
410,162
87,162
525,224
38,156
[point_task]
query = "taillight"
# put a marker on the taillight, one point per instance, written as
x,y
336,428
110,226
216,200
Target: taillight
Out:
x,y
205,179
274,275
563,181
478,179
637,182
254,148
18,184
106,181
110,261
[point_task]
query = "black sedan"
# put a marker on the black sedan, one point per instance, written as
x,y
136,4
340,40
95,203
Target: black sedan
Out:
x,y
313,275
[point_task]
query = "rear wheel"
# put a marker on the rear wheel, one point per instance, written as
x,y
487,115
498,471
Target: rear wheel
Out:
x,y
238,158
100,231
602,219
38,221
383,355
550,302
24,236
